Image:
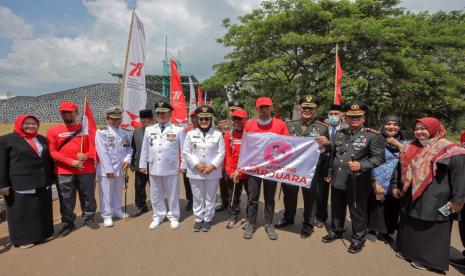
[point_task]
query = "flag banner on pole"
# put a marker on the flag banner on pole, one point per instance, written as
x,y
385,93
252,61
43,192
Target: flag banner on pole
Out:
x,y
89,127
134,92
199,95
177,100
287,159
338,78
193,101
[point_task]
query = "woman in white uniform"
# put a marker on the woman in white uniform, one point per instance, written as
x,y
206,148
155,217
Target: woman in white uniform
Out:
x,y
204,153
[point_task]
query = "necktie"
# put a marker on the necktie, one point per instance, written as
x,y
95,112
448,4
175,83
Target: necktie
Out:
x,y
162,128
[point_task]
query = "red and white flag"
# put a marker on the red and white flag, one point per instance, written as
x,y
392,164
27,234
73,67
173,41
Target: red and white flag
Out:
x,y
199,95
89,127
338,78
192,102
177,100
134,95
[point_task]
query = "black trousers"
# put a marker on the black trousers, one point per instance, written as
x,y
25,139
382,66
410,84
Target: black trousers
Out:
x,y
224,188
67,185
269,190
140,194
462,227
320,202
235,210
340,199
187,187
290,202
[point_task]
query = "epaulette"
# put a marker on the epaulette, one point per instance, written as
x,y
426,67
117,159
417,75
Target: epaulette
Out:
x,y
322,123
126,129
103,128
372,130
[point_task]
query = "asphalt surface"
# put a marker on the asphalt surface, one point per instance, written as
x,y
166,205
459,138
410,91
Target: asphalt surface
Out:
x,y
130,248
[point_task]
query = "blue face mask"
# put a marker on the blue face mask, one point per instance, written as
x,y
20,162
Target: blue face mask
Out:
x,y
334,120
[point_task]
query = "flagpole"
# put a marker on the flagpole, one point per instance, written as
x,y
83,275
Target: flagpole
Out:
x,y
121,95
83,114
335,75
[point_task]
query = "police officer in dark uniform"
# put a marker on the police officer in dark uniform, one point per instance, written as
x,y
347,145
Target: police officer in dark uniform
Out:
x,y
224,194
357,150
306,126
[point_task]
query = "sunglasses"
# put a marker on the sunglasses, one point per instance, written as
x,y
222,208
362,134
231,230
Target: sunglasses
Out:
x,y
204,119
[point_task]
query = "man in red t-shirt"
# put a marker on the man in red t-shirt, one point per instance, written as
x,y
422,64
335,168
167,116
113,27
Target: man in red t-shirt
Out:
x,y
74,167
232,143
264,123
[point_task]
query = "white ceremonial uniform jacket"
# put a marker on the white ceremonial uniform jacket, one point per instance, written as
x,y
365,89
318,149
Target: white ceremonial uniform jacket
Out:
x,y
162,150
207,150
113,147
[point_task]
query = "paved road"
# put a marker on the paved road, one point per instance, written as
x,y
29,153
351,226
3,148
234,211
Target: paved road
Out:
x,y
129,248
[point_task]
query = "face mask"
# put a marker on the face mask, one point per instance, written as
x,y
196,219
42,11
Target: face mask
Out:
x,y
424,142
334,120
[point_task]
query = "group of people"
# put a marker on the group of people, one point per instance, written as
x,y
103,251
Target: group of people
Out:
x,y
390,185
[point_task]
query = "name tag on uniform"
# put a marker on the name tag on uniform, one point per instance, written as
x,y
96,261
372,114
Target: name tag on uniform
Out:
x,y
360,143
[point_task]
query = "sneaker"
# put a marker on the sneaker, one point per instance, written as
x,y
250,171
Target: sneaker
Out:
x,y
248,232
271,232
120,215
108,222
91,223
231,222
66,230
418,266
206,226
174,224
26,246
154,224
244,226
197,226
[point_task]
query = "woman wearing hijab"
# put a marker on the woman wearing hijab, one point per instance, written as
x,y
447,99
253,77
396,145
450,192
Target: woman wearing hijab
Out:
x,y
26,171
383,207
203,153
432,189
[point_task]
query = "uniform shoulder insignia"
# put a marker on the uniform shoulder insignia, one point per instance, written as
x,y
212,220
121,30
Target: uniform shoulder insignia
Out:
x,y
322,123
372,130
126,129
103,128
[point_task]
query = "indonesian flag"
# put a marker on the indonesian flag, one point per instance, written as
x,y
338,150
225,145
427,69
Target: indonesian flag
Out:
x,y
177,100
338,78
134,95
199,95
193,102
88,129
462,139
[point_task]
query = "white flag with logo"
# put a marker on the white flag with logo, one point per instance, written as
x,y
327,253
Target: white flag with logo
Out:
x,y
134,93
287,159
193,102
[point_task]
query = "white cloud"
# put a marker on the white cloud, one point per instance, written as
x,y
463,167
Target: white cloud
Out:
x,y
12,26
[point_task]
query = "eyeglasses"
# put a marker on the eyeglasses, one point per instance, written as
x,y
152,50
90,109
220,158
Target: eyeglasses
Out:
x,y
205,119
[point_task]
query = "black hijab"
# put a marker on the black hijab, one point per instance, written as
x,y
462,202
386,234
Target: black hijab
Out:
x,y
399,137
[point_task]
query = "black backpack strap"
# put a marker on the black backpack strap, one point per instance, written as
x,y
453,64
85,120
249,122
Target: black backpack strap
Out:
x,y
69,139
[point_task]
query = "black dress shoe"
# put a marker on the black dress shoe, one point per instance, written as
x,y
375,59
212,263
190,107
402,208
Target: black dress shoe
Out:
x,y
331,237
319,224
386,238
66,230
91,223
355,247
306,232
283,222
189,206
457,262
222,206
140,211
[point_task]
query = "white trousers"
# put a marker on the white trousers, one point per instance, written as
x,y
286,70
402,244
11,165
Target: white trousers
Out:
x,y
204,197
111,190
161,186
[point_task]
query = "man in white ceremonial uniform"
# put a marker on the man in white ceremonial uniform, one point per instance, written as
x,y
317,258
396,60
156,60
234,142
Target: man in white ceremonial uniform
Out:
x,y
204,153
113,145
161,150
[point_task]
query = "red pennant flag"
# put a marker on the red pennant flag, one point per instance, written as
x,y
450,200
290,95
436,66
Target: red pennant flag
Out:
x,y
199,96
462,139
338,78
177,100
89,127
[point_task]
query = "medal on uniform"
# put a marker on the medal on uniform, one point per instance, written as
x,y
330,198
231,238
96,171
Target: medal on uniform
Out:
x,y
171,137
126,142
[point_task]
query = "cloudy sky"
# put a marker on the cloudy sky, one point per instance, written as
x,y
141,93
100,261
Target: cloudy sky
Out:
x,y
53,45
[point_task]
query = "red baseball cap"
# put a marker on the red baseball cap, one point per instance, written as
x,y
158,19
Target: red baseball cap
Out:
x,y
263,101
239,112
67,106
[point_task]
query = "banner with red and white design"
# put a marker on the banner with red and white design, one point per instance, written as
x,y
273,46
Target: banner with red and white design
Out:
x,y
134,94
286,159
338,78
177,99
199,95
